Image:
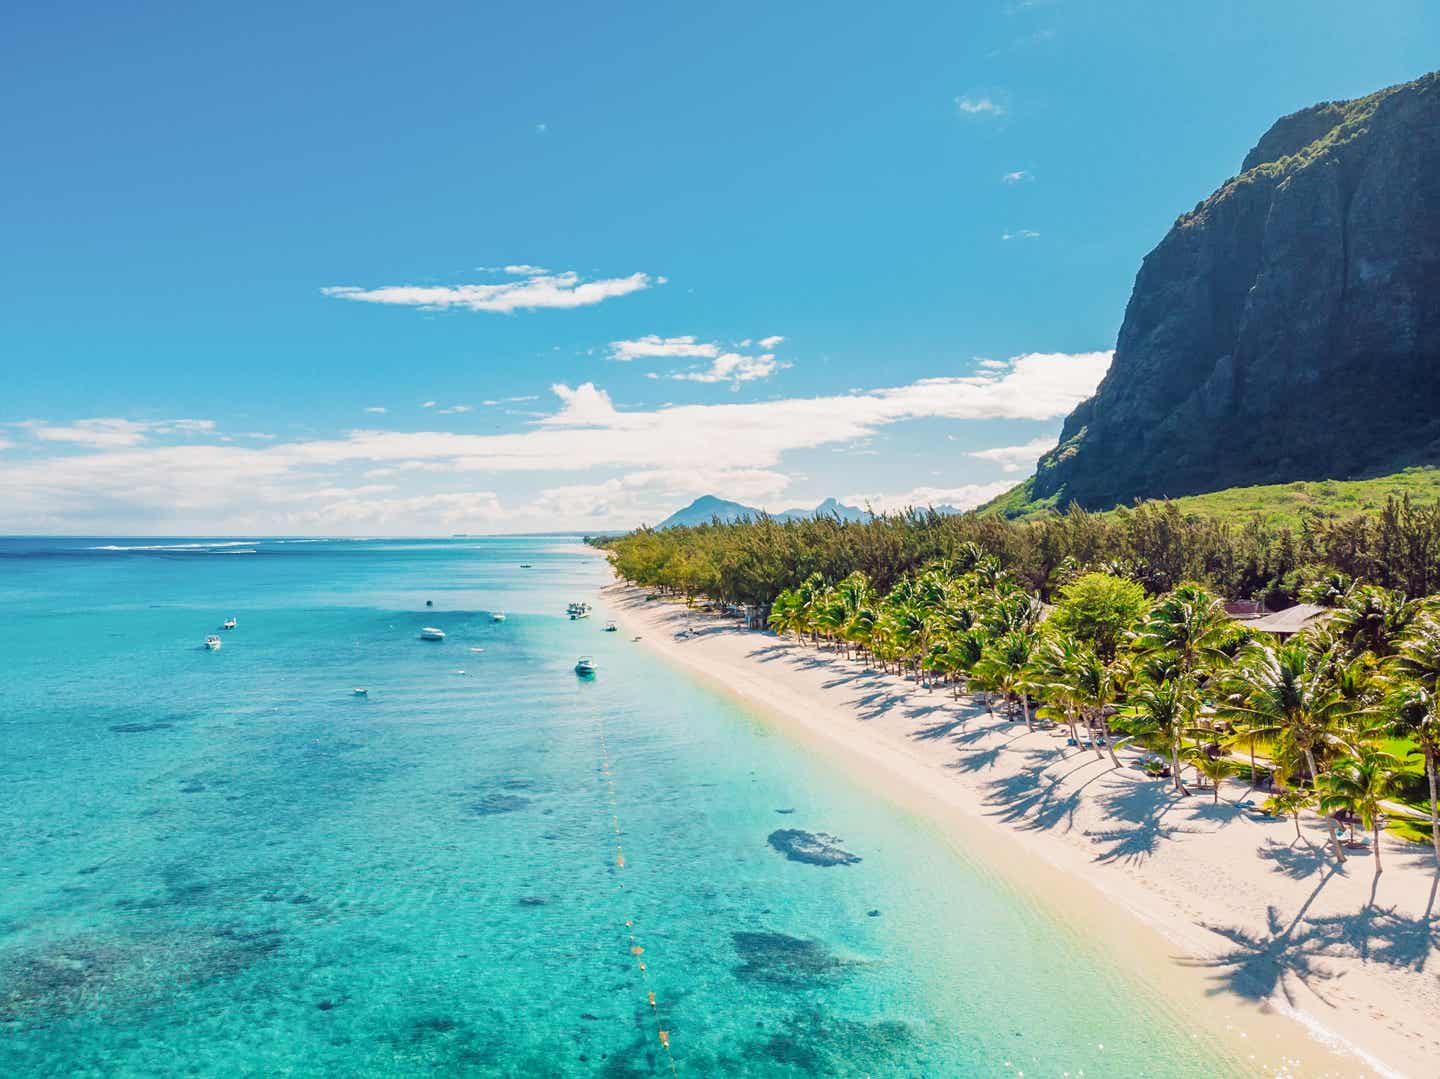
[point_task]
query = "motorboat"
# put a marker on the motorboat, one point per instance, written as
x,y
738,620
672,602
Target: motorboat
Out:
x,y
498,616
578,610
527,565
360,691
585,667
212,642
611,627
229,623
430,633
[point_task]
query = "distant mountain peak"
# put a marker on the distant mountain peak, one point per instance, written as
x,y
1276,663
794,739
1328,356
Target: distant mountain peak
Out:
x,y
707,508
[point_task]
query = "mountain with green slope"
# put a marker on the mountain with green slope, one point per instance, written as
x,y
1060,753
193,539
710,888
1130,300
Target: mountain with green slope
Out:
x,y
1288,328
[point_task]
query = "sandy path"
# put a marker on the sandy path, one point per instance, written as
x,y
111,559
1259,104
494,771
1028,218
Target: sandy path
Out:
x,y
1246,924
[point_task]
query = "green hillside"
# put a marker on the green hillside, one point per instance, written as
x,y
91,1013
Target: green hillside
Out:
x,y
1275,503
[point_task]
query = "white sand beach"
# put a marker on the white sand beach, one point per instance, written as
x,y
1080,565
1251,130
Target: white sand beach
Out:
x,y
1220,908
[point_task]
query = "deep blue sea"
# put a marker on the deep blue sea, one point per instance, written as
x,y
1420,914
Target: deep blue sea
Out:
x,y
227,863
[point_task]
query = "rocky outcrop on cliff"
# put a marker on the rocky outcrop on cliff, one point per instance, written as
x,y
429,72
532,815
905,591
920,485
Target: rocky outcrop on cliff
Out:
x,y
1288,327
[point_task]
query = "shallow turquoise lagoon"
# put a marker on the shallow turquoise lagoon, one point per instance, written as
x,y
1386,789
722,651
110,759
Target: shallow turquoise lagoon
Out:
x,y
229,864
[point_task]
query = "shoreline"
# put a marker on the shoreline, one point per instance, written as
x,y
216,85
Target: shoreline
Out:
x,y
1265,937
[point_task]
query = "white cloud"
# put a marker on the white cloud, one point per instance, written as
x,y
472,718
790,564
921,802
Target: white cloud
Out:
x,y
540,129
1016,458
654,345
961,498
560,290
727,365
979,105
653,494
1019,176
113,431
428,404
6,444
380,409
180,488
1020,234
522,269
732,367
994,365
455,409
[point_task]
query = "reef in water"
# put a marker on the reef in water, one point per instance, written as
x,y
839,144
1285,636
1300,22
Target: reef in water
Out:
x,y
97,974
816,1044
812,848
792,962
488,805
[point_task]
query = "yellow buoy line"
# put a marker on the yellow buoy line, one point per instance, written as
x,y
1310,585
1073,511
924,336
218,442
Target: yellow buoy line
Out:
x,y
636,948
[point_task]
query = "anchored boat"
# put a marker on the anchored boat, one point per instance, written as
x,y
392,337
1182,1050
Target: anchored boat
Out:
x,y
585,667
430,633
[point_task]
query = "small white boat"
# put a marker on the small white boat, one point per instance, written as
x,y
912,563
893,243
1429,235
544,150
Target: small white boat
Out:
x,y
584,666
477,648
498,616
212,642
360,691
229,623
430,633
611,627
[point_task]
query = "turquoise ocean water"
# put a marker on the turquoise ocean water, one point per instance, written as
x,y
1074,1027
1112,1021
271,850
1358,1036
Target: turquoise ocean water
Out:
x,y
228,864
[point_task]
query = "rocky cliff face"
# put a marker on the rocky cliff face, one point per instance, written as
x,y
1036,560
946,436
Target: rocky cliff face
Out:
x,y
1288,328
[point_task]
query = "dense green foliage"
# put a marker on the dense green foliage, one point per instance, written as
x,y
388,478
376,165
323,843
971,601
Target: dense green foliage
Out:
x,y
1348,711
1156,544
1275,504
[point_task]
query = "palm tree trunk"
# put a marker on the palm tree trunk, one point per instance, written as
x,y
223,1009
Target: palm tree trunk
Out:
x,y
1074,730
1025,707
1375,832
1298,836
1175,764
1109,742
1434,820
1253,773
1329,820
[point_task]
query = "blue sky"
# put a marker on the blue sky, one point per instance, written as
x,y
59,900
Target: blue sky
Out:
x,y
595,260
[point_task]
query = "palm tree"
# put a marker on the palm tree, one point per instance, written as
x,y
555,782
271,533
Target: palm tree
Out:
x,y
1189,625
787,614
1282,694
1050,670
1359,785
860,627
1415,714
1373,619
1414,675
1156,706
1005,665
1092,685
1289,802
1188,629
1215,769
